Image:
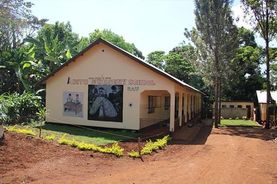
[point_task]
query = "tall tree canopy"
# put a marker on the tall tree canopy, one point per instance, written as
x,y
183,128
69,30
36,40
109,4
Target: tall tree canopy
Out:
x,y
245,76
53,45
116,40
263,15
216,41
156,58
180,63
16,23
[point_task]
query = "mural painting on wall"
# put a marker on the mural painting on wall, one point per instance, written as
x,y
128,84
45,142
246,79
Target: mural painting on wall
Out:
x,y
105,102
73,104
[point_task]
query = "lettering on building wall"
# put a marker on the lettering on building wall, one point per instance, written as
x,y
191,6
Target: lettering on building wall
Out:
x,y
73,104
105,102
110,81
133,88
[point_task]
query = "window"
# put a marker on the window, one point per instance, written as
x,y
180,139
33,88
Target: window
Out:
x,y
223,106
166,102
153,102
151,106
232,106
239,106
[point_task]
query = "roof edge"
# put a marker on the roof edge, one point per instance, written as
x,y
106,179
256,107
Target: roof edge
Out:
x,y
131,56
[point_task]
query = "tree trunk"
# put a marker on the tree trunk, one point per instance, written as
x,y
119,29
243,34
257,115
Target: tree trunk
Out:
x,y
216,104
1,132
268,96
219,101
216,88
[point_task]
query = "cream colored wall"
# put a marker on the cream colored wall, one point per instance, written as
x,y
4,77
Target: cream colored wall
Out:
x,y
263,111
96,63
243,104
159,114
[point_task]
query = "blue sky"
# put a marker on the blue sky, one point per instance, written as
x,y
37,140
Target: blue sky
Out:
x,y
149,24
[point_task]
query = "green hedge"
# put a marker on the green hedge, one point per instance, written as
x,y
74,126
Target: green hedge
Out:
x,y
150,146
19,108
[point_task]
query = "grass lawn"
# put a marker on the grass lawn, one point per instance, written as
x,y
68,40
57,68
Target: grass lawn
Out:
x,y
238,122
86,134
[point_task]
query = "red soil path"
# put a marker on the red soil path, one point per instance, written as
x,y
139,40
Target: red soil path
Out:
x,y
225,155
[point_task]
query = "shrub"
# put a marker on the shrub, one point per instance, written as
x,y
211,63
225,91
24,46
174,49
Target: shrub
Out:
x,y
64,140
21,130
50,137
16,108
113,149
87,146
134,154
150,146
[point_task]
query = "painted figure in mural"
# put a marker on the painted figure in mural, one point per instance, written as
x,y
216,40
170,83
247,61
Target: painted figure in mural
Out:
x,y
105,103
77,104
69,98
77,99
68,104
101,106
73,107
116,97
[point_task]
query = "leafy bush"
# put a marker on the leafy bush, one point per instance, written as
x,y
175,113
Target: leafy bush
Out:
x,y
16,108
21,130
150,146
64,140
50,137
134,154
87,146
114,149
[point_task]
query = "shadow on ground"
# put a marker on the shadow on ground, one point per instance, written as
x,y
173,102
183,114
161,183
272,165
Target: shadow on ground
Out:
x,y
196,135
250,132
105,133
199,133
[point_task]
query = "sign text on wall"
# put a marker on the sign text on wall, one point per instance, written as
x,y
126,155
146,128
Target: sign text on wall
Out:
x,y
110,81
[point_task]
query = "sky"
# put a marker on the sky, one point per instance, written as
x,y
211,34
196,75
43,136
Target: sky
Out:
x,y
150,24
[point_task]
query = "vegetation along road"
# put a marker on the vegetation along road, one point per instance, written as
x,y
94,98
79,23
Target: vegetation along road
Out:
x,y
225,155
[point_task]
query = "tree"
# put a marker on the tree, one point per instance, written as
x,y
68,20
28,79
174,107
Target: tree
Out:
x,y
16,23
216,40
274,75
116,40
156,58
264,20
179,62
245,75
53,45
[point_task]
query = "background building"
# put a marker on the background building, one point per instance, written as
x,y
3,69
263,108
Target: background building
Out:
x,y
261,95
237,109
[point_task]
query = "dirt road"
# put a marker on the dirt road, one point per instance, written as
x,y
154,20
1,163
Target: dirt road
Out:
x,y
226,155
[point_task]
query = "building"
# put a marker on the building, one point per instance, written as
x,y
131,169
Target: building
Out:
x,y
105,86
261,95
237,109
